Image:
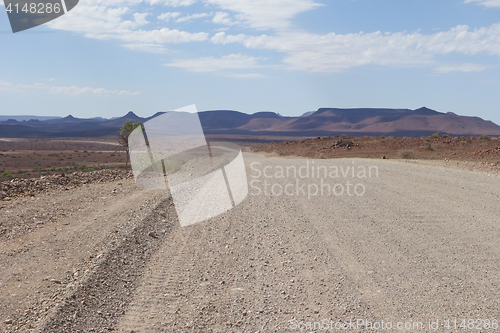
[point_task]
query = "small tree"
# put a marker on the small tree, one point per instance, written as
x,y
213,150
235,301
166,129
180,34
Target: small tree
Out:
x,y
125,131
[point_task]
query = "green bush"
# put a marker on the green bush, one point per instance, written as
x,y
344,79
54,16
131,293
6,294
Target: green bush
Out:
x,y
382,137
484,137
463,143
37,169
58,169
65,169
52,169
445,136
429,147
20,171
81,167
435,136
7,174
44,174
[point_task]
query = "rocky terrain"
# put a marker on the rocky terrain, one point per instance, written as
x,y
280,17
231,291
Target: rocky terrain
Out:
x,y
478,150
53,242
21,187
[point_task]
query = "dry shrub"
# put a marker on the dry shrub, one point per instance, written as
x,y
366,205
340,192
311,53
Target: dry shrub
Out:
x,y
407,154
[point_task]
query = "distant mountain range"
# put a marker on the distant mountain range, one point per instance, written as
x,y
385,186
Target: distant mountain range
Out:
x,y
325,121
21,118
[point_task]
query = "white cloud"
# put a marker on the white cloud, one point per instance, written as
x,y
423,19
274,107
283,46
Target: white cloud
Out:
x,y
5,86
168,16
336,52
188,18
140,18
146,47
487,3
245,75
178,18
211,64
116,20
461,39
222,18
114,3
97,19
109,3
222,38
70,90
161,36
265,14
77,91
172,3
467,68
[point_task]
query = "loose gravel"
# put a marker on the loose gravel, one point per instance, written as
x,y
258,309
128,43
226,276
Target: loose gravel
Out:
x,y
420,244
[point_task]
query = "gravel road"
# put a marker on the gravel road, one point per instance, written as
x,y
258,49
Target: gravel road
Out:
x,y
408,243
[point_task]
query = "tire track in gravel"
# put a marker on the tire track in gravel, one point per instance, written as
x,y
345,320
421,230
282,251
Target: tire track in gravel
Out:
x,y
99,301
160,285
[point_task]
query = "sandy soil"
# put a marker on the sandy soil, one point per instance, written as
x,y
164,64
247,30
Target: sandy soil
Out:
x,y
420,244
30,158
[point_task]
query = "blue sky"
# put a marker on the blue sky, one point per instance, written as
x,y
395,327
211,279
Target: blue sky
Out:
x,y
106,57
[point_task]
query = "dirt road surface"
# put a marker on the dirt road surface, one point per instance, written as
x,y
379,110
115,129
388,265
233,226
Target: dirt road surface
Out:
x,y
417,242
